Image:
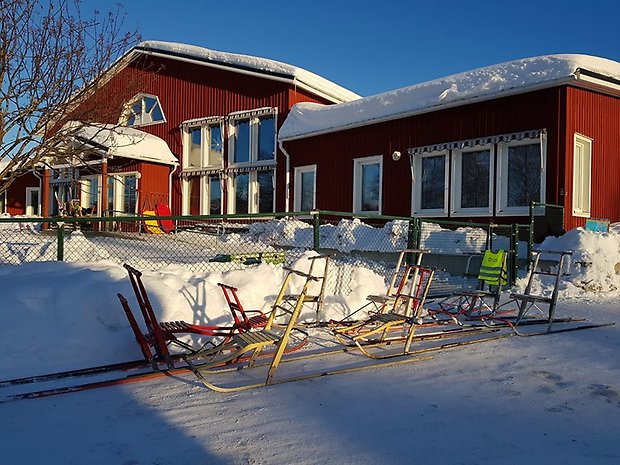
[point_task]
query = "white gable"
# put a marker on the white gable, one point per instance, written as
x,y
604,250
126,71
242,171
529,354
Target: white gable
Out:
x,y
308,119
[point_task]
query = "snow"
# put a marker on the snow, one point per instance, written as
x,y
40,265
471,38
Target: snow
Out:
x,y
309,119
549,399
124,142
245,62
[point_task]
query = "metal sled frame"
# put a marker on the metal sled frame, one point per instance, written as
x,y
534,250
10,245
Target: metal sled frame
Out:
x,y
472,304
401,277
404,312
528,301
314,301
255,342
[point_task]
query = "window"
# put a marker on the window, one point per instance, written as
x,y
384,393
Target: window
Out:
x,y
430,184
367,184
249,168
472,181
33,204
252,158
253,139
143,110
582,169
252,192
202,146
521,175
305,188
122,194
89,193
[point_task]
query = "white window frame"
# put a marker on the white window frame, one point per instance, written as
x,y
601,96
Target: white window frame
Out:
x,y
205,146
185,195
85,197
28,205
118,201
299,172
254,139
358,164
127,112
457,189
416,191
253,191
582,148
501,191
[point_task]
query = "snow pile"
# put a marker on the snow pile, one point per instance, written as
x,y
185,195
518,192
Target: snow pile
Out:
x,y
66,315
307,119
596,260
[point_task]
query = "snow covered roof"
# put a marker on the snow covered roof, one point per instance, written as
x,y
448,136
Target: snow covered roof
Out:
x,y
118,141
309,119
250,65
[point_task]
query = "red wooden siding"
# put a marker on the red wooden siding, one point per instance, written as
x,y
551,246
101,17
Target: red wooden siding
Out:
x,y
334,152
188,91
597,116
16,194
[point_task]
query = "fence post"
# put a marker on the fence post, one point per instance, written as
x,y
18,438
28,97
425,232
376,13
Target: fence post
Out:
x,y
514,247
413,241
490,236
530,242
316,222
60,246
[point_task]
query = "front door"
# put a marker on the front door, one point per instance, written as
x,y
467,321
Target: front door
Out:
x,y
33,204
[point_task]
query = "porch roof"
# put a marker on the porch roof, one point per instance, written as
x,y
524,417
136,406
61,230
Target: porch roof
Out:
x,y
119,141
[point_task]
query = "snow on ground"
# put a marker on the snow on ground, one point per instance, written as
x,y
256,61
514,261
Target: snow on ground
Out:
x,y
548,399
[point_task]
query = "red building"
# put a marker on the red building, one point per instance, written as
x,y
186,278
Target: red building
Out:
x,y
180,125
477,145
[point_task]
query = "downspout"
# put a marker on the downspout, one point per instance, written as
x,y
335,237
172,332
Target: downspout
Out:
x,y
40,178
287,182
172,170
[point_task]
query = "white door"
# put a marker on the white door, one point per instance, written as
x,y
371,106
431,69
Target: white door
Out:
x,y
33,205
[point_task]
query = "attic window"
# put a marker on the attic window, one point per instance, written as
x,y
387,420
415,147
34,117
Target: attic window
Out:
x,y
143,110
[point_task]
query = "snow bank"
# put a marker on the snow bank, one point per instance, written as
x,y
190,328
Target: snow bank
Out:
x,y
596,260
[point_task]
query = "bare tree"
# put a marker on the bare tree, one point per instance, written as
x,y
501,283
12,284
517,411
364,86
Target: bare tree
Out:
x,y
51,58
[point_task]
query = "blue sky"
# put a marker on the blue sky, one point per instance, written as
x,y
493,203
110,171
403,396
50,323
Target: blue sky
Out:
x,y
376,46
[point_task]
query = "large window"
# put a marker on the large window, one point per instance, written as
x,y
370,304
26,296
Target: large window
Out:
x,y
123,194
430,184
202,166
253,139
202,146
90,196
305,188
367,184
251,159
582,175
143,110
252,192
472,181
521,175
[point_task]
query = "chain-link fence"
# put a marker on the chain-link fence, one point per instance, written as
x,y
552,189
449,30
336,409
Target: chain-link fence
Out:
x,y
207,244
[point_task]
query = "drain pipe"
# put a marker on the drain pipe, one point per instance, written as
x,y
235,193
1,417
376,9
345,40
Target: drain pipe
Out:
x,y
287,183
172,170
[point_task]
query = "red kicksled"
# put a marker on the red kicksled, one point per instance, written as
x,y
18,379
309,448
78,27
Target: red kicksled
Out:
x,y
154,343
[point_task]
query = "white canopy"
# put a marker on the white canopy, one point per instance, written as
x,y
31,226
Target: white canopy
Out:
x,y
118,141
